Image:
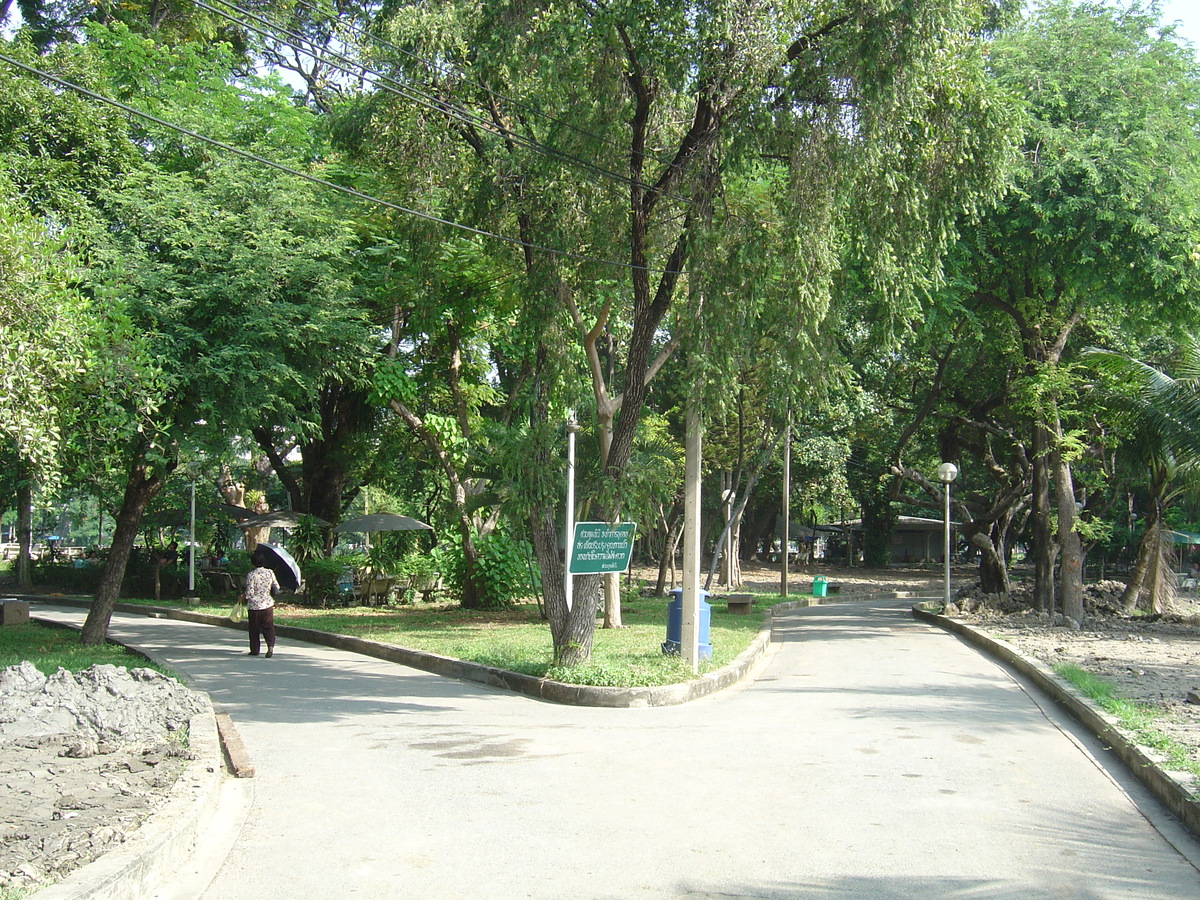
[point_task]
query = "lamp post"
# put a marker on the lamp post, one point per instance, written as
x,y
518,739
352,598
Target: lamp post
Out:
x,y
946,473
191,591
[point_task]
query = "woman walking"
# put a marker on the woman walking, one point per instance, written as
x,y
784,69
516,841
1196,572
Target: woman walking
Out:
x,y
261,587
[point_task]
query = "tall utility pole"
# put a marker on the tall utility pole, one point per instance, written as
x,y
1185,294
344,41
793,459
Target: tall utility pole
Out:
x,y
569,537
787,505
690,614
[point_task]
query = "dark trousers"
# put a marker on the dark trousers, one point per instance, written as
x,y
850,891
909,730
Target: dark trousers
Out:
x,y
262,622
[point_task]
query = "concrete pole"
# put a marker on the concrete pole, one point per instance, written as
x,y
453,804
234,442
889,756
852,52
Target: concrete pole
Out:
x,y
690,620
946,473
787,506
192,545
568,578
946,545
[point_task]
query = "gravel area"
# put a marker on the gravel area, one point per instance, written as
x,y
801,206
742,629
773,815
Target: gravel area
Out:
x,y
84,759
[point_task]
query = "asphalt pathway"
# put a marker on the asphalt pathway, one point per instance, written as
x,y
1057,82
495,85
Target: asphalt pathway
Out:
x,y
872,756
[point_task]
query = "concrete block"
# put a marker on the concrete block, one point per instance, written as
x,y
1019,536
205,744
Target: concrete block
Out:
x,y
14,612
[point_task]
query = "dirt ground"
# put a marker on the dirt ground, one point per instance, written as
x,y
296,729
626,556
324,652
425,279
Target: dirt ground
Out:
x,y
60,808
84,759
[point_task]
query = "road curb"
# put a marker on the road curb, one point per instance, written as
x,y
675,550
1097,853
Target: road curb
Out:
x,y
1170,789
529,685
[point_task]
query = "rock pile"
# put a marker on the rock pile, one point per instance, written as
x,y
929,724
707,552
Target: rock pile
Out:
x,y
84,758
1100,598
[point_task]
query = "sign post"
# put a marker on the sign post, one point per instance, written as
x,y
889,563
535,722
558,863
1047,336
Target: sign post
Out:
x,y
599,547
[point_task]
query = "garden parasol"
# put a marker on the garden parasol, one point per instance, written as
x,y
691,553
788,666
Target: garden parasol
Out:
x,y
382,522
279,518
279,561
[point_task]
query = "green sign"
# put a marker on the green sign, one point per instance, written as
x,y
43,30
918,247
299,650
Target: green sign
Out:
x,y
599,547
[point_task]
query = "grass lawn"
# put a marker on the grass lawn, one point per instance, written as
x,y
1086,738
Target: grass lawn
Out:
x,y
518,640
1137,718
49,647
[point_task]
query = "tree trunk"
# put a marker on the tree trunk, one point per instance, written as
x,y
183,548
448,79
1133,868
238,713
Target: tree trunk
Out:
x,y
24,532
1043,550
1150,582
140,490
612,600
667,562
571,629
1069,542
993,573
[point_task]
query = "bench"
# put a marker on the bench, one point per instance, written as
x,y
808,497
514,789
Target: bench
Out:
x,y
739,603
373,590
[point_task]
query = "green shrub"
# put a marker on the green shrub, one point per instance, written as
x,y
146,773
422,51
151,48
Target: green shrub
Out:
x,y
321,579
505,562
66,577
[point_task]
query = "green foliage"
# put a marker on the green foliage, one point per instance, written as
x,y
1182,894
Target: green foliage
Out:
x,y
67,577
238,562
321,575
503,569
308,539
44,331
391,382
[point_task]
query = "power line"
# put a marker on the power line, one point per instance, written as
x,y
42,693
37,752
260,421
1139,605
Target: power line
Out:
x,y
352,192
442,68
423,98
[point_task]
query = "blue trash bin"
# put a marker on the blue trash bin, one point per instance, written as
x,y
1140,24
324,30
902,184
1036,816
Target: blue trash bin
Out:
x,y
672,645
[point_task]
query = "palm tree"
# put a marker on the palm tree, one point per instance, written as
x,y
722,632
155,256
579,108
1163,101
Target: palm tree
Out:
x,y
1160,417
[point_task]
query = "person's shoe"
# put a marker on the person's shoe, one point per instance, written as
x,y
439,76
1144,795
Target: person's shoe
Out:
x,y
251,653
270,652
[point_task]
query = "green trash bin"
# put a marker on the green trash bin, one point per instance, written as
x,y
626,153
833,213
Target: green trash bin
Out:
x,y
820,584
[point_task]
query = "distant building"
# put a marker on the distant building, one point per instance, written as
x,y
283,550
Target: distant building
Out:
x,y
914,539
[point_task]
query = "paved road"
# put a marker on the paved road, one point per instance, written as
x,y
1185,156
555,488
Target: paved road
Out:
x,y
872,757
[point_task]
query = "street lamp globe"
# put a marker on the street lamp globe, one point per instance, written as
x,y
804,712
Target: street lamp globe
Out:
x,y
947,472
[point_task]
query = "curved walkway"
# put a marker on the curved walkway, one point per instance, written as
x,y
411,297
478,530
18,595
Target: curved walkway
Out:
x,y
872,756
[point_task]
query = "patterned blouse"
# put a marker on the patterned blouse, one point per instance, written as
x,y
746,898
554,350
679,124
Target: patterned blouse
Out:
x,y
260,587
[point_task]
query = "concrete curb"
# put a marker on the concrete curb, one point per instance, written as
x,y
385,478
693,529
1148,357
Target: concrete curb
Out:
x,y
530,685
1170,789
448,667
166,840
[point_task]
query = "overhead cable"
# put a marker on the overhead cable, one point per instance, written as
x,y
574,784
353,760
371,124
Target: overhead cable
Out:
x,y
352,192
392,85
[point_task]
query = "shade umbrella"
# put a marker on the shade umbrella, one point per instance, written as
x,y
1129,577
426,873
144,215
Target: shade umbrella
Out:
x,y
279,518
381,522
237,513
287,572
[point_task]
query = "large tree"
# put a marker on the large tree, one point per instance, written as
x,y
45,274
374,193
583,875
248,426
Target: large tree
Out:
x,y
1100,225
618,132
228,280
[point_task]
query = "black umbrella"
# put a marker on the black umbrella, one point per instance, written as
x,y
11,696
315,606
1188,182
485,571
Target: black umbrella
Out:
x,y
279,561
